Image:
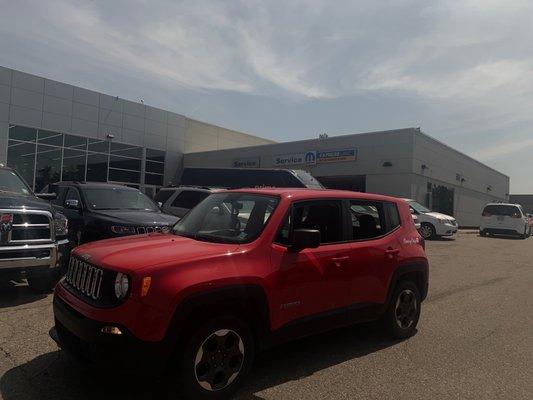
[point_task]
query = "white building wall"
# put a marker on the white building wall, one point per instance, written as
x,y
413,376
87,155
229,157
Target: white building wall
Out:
x,y
42,103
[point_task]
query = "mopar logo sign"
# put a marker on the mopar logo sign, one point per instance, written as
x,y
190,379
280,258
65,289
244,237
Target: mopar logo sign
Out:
x,y
308,158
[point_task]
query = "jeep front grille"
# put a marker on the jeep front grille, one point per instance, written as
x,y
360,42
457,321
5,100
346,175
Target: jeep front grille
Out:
x,y
84,278
141,230
26,227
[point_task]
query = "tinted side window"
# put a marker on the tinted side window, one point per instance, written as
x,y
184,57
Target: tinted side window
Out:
x,y
324,216
502,210
163,195
60,192
73,194
368,219
393,216
189,199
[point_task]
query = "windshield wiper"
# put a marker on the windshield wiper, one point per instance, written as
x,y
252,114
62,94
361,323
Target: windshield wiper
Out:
x,y
206,238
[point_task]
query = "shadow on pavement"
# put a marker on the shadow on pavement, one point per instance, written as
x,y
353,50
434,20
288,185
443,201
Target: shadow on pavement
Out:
x,y
16,293
50,376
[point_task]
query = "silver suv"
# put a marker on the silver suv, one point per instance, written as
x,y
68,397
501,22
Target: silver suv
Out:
x,y
179,200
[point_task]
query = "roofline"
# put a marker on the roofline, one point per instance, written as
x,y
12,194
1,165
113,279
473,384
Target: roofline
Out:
x,y
137,102
302,141
419,132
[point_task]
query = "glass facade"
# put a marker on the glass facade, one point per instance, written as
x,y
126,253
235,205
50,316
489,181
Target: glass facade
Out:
x,y
44,157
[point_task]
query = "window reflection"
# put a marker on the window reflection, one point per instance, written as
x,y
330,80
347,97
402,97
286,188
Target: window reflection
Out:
x,y
42,157
97,167
21,157
48,166
73,165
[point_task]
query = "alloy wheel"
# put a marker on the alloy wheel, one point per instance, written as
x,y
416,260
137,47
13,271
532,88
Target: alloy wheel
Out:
x,y
406,308
426,231
219,360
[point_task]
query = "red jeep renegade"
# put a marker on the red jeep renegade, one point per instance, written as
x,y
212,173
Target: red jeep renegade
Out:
x,y
242,271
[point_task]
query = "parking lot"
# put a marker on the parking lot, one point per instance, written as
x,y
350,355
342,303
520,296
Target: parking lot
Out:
x,y
474,342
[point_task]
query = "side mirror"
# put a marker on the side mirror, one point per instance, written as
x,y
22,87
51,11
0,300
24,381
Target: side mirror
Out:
x,y
46,196
73,204
305,239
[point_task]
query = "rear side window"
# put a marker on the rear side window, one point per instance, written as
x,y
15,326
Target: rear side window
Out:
x,y
368,219
163,195
189,199
371,219
501,210
393,215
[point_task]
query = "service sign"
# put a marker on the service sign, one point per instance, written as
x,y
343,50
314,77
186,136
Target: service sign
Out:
x,y
308,158
336,155
250,162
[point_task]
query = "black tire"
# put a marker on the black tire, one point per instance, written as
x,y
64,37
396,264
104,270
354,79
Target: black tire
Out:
x,y
43,281
397,323
211,339
427,231
482,233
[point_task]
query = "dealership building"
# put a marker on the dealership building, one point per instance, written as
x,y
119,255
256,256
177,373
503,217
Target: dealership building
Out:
x,y
402,162
51,131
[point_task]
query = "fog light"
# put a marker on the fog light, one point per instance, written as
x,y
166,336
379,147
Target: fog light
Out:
x,y
111,330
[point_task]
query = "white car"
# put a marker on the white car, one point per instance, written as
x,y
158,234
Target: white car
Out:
x,y
432,224
504,219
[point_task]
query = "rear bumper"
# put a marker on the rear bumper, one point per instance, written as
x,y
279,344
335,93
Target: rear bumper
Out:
x,y
82,339
26,257
500,231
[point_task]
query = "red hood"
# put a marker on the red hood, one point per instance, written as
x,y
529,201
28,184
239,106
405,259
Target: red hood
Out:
x,y
137,252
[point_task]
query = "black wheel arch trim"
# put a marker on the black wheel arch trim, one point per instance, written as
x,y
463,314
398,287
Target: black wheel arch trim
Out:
x,y
418,268
248,297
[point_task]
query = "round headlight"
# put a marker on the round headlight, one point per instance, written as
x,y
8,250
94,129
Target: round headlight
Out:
x,y
122,285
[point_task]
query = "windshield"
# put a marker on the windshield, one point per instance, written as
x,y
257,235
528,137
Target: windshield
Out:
x,y
418,207
118,199
11,182
227,218
307,179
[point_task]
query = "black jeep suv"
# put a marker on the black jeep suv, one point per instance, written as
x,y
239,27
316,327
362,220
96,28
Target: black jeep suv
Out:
x,y
103,210
33,236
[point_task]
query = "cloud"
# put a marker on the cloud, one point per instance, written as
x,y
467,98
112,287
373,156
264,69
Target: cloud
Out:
x,y
503,149
461,70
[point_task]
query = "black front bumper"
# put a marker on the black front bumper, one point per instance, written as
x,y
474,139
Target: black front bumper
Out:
x,y
81,338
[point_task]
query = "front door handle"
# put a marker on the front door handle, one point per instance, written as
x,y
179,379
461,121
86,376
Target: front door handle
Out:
x,y
338,261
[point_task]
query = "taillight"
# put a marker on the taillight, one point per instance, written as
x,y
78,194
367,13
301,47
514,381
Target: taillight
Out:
x,y
486,214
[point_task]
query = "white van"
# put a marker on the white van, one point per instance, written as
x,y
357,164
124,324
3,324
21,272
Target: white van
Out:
x,y
432,224
504,219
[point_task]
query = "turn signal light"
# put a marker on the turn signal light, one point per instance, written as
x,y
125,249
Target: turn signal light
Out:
x,y
145,285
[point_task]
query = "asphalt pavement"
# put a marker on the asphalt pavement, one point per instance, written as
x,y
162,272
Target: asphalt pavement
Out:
x,y
474,341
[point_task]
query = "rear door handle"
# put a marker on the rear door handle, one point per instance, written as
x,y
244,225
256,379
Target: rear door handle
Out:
x,y
392,252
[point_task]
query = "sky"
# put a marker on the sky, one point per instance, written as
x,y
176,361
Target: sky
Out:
x,y
461,70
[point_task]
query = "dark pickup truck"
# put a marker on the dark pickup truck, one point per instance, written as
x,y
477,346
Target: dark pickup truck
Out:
x,y
33,236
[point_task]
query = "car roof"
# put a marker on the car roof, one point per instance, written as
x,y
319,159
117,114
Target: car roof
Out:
x,y
94,185
192,187
502,204
306,193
